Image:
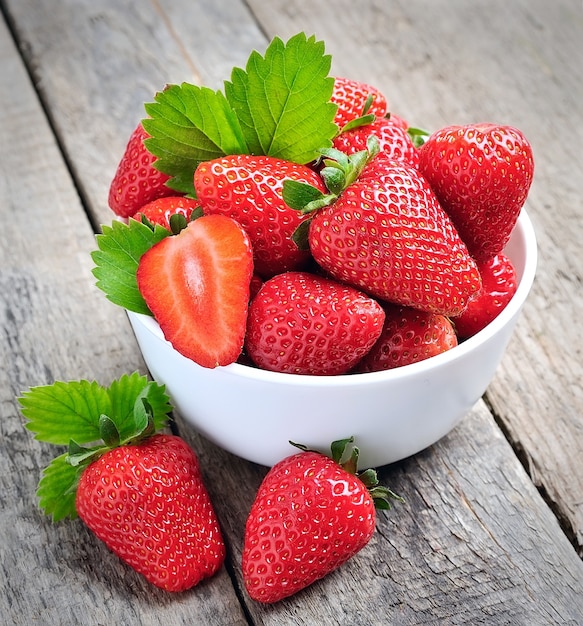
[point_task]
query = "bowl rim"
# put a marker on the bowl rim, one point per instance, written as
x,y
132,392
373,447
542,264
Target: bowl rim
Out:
x,y
524,227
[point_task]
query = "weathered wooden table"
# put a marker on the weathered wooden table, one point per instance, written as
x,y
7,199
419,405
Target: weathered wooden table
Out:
x,y
492,528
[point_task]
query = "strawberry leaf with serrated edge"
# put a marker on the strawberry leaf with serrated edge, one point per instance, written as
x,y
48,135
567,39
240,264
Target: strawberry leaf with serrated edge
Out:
x,y
57,488
116,261
189,124
127,396
77,412
282,99
63,411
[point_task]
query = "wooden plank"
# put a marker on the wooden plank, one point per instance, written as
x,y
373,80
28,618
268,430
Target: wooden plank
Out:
x,y
56,325
473,543
473,522
455,62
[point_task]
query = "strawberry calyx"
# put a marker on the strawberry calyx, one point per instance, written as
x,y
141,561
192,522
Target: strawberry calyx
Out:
x,y
91,420
81,456
364,119
177,221
382,496
418,135
339,172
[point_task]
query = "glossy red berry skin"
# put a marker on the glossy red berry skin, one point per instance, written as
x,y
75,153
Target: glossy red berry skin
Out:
x,y
308,518
148,504
481,175
388,235
408,336
499,284
136,181
300,323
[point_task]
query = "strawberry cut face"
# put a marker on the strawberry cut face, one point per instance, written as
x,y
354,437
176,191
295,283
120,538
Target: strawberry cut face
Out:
x,y
196,284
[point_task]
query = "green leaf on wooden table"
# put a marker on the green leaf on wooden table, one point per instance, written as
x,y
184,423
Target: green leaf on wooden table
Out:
x,y
282,99
81,412
57,487
63,411
116,261
187,125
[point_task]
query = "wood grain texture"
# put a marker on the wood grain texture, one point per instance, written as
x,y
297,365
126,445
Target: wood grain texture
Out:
x,y
455,62
474,543
56,325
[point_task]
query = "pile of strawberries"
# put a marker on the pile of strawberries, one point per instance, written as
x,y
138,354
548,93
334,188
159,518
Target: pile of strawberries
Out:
x,y
382,247
381,253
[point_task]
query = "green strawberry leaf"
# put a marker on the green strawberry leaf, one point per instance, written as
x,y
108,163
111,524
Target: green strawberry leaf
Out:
x,y
57,489
116,261
128,395
418,135
187,125
63,411
282,99
81,412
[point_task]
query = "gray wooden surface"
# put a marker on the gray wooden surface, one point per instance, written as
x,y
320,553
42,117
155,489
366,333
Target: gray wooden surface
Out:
x,y
492,528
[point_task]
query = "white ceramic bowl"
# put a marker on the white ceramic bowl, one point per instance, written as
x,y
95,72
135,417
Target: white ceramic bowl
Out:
x,y
392,414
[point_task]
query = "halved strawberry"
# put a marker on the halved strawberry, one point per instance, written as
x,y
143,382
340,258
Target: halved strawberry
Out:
x,y
196,284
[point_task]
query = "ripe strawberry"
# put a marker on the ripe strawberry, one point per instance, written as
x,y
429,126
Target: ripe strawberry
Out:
x,y
394,141
351,98
249,190
408,336
387,235
196,285
310,515
139,491
136,181
498,286
301,323
160,211
481,175
148,504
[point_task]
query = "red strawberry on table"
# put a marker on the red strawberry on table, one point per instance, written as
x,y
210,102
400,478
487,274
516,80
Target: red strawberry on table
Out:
x,y
498,286
136,181
161,210
249,189
387,235
481,174
148,504
196,284
408,336
140,491
355,99
310,515
394,140
301,323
